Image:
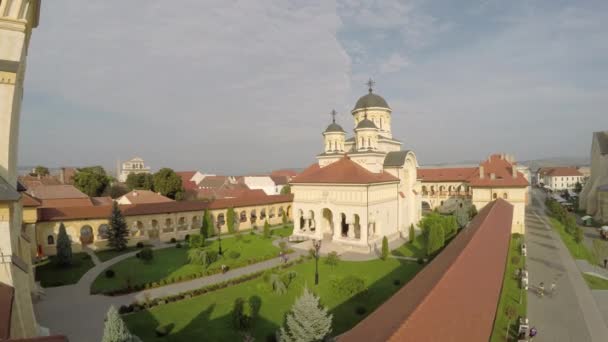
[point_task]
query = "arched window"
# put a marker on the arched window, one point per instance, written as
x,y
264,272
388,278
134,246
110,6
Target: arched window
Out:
x,y
504,195
50,240
495,196
103,232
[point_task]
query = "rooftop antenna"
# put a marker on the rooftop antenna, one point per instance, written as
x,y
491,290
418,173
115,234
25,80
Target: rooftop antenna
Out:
x,y
370,85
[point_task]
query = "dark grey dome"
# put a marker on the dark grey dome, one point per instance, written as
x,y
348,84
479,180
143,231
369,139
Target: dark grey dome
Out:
x,y
334,127
366,123
371,100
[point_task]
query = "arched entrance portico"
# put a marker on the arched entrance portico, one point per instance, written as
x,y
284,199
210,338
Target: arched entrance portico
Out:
x,y
86,235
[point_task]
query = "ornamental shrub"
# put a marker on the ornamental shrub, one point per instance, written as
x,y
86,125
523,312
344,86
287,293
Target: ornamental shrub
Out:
x,y
385,250
197,241
332,259
266,229
348,286
146,254
139,244
110,273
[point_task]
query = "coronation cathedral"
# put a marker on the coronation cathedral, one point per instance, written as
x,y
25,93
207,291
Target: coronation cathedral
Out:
x,y
362,188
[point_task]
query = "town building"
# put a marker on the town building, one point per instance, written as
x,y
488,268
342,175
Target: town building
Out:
x,y
135,165
141,197
445,188
362,188
594,197
560,178
17,319
59,196
264,183
191,179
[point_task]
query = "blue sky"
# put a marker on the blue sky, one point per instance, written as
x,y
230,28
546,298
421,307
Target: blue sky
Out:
x,y
243,86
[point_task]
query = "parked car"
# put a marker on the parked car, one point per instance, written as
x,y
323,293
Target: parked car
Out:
x,y
524,249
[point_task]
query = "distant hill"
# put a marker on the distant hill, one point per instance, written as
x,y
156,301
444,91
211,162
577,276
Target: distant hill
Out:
x,y
556,161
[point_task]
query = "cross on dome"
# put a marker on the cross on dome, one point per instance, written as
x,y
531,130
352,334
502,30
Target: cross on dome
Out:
x,y
370,84
333,115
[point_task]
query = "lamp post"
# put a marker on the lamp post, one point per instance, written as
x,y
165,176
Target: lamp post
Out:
x,y
317,245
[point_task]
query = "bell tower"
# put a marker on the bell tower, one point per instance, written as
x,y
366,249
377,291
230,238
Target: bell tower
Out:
x,y
17,19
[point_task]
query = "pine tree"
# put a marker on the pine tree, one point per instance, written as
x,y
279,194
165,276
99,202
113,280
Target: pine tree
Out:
x,y
117,234
64,247
206,224
266,229
115,329
230,220
412,233
308,321
384,255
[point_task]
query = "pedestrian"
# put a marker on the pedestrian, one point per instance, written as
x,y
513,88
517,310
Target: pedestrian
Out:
x,y
533,333
541,289
605,262
553,288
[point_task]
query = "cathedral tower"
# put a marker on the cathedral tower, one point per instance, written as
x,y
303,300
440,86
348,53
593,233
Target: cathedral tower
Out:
x,y
376,109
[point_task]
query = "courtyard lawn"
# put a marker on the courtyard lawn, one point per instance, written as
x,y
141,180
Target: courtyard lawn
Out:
x,y
509,296
208,317
417,249
578,251
283,231
172,263
108,254
595,283
49,274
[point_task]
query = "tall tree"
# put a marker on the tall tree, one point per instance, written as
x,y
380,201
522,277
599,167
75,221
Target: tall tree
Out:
x,y
436,239
412,233
286,189
578,187
91,180
266,229
64,247
115,329
308,321
385,250
41,171
117,234
230,219
168,183
206,225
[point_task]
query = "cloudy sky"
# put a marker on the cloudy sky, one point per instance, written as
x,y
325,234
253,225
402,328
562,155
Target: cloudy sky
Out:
x,y
246,86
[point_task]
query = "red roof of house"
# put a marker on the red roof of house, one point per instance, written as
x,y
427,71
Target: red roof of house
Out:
x,y
455,297
343,171
563,172
502,170
29,201
186,177
285,172
146,196
455,174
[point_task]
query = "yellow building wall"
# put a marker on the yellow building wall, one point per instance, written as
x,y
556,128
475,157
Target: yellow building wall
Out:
x,y
518,197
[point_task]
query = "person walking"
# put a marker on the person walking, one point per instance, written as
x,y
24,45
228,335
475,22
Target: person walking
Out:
x,y
533,333
541,289
553,288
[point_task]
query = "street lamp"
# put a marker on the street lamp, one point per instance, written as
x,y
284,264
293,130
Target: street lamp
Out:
x,y
317,245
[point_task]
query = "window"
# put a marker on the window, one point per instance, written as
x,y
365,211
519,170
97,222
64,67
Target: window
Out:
x,y
495,196
50,240
505,196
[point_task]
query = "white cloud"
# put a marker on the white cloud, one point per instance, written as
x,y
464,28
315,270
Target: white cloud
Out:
x,y
394,63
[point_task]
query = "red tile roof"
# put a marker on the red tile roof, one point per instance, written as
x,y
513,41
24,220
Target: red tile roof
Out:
x,y
62,191
285,172
343,171
455,297
146,196
456,174
55,338
93,212
186,177
503,174
29,201
563,172
105,200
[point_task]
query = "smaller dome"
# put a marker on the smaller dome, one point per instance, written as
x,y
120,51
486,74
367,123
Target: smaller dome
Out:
x,y
366,123
334,127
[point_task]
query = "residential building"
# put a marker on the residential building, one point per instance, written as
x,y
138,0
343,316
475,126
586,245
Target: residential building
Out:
x,y
560,178
59,196
362,188
135,165
594,197
142,196
191,179
265,183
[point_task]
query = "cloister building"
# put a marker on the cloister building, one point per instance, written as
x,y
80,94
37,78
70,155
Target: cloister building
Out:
x,y
360,189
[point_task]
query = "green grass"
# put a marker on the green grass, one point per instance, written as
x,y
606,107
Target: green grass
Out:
x,y
108,254
578,251
283,232
595,283
172,263
509,296
417,249
50,274
208,317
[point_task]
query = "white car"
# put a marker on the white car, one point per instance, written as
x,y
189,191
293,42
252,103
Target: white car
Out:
x,y
524,250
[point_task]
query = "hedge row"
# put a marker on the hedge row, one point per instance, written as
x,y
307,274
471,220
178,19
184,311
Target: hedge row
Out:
x,y
147,304
179,279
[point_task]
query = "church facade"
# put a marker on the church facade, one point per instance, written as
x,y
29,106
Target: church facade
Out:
x,y
362,188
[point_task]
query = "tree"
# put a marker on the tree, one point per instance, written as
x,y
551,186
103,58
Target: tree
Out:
x,y
436,239
207,224
196,241
307,321
462,216
510,313
117,234
286,190
168,183
116,190
115,329
472,212
578,235
230,220
41,171
412,234
284,219
385,251
600,250
578,187
91,180
239,318
141,181
64,247
266,229
332,259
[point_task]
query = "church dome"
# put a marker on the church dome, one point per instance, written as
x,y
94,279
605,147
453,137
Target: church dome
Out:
x,y
334,127
371,100
366,123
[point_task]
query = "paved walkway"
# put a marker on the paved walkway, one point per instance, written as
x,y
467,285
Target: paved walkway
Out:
x,y
572,313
